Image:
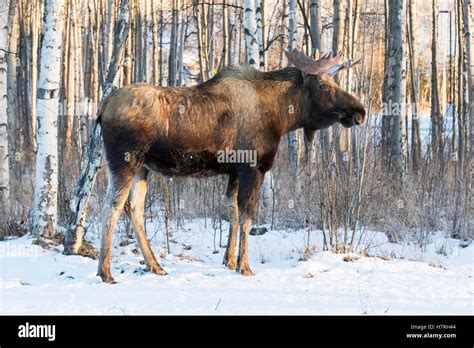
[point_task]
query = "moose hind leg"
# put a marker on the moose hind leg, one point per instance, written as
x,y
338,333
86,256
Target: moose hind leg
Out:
x,y
117,190
136,209
230,259
247,199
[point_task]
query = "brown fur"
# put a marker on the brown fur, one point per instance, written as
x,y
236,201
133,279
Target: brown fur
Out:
x,y
178,131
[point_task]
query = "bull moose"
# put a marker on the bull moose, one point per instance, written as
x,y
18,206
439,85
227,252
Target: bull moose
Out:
x,y
178,131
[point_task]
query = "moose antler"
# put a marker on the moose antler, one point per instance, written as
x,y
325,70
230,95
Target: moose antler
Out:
x,y
326,64
310,66
343,66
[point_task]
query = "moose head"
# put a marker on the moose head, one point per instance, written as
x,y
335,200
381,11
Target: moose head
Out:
x,y
328,103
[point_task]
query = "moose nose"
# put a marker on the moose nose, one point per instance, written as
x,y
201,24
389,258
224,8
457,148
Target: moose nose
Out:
x,y
359,118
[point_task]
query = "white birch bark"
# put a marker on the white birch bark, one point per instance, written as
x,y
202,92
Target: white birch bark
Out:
x,y
292,29
258,18
34,63
294,137
4,159
251,43
46,181
211,40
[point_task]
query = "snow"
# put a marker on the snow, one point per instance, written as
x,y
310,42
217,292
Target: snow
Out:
x,y
392,279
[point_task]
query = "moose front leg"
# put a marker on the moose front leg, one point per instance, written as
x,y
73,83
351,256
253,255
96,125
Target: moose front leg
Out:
x,y
230,259
243,260
249,187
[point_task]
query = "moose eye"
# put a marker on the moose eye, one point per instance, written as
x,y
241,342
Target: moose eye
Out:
x,y
323,86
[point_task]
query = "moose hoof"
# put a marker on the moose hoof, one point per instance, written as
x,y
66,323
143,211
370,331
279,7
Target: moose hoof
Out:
x,y
156,270
107,277
231,264
245,271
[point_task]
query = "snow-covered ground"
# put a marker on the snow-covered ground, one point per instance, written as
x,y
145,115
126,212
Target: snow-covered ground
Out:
x,y
393,279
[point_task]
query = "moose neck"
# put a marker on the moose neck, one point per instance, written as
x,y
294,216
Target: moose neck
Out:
x,y
284,95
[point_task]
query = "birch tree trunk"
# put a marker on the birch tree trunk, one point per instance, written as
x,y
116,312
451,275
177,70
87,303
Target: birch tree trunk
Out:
x,y
468,37
173,44
468,20
160,56
294,136
69,81
200,41
403,123
352,33
393,85
154,34
182,34
34,63
337,27
251,43
292,25
138,14
315,23
436,121
67,112
46,181
340,134
211,39
413,62
463,194
205,20
315,30
4,158
231,36
91,163
110,29
259,10
81,117
12,88
239,35
225,34
148,44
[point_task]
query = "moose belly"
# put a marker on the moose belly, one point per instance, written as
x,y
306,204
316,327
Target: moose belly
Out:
x,y
184,163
